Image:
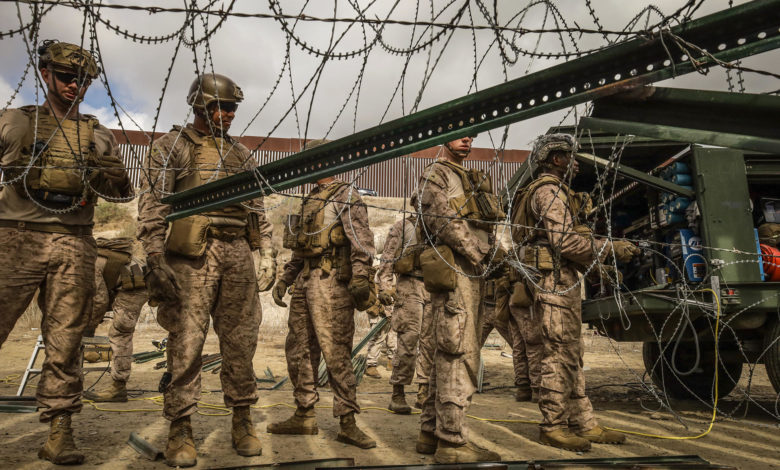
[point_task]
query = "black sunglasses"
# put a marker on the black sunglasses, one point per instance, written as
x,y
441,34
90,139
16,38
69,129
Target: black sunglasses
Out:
x,y
226,106
66,77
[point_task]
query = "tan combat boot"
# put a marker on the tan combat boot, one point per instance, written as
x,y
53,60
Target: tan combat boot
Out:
x,y
180,451
398,401
303,421
116,391
564,439
60,448
469,452
351,434
523,394
244,438
373,372
426,443
600,435
422,394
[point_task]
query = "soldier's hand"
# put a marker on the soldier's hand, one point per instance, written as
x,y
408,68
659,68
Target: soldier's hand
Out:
x,y
266,271
360,289
111,168
625,250
387,296
161,280
278,293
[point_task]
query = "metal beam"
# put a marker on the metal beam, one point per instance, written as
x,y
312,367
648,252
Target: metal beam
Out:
x,y
734,33
735,120
635,175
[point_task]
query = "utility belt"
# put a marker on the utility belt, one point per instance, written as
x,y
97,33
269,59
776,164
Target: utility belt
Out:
x,y
337,261
55,198
189,236
50,227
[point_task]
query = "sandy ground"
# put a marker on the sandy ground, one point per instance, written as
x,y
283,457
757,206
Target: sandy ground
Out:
x,y
745,441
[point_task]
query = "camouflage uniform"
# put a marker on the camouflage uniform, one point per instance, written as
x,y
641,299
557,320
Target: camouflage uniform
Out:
x,y
52,252
386,339
457,314
127,308
321,318
217,284
412,315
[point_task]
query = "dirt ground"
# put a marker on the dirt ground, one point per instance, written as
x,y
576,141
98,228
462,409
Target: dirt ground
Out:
x,y
747,441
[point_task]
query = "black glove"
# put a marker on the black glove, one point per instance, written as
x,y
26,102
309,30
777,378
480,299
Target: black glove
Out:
x,y
278,293
160,281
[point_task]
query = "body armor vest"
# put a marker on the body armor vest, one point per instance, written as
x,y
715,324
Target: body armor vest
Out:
x,y
410,260
63,153
307,233
478,203
526,228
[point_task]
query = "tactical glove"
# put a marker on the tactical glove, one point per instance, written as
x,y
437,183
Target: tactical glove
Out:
x,y
111,170
160,280
624,250
387,296
376,310
266,270
360,289
278,293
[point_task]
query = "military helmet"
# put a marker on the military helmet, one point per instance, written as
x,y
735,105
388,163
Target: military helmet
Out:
x,y
212,87
65,57
546,144
315,143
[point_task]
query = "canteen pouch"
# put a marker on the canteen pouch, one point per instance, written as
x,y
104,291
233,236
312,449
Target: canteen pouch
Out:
x,y
188,236
437,265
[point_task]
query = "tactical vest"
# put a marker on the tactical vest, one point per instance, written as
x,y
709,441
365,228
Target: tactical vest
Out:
x,y
307,233
410,259
478,203
212,158
526,227
63,152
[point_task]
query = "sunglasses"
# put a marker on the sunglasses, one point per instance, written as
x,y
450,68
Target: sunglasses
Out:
x,y
226,106
66,77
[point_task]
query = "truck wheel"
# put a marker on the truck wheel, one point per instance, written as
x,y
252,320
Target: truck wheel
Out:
x,y
772,355
697,384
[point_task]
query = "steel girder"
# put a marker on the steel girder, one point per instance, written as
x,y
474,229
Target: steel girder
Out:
x,y
729,35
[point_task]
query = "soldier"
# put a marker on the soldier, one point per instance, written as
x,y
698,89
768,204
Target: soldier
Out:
x,y
385,339
547,222
56,162
121,281
457,207
500,315
204,268
332,248
411,310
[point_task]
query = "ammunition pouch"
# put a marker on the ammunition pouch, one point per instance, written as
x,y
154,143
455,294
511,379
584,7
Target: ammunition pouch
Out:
x,y
540,257
131,277
410,261
437,264
337,262
188,237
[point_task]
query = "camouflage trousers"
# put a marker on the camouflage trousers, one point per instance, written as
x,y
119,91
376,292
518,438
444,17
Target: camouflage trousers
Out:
x,y
562,398
219,286
386,339
62,267
321,322
412,320
510,332
101,302
457,316
525,330
127,308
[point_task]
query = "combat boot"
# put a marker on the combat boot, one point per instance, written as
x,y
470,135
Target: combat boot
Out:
x,y
116,391
244,438
398,401
523,394
426,443
303,421
600,435
564,439
59,448
422,394
373,372
180,451
351,434
447,452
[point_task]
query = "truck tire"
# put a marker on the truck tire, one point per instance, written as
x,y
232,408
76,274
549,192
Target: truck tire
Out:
x,y
772,355
699,383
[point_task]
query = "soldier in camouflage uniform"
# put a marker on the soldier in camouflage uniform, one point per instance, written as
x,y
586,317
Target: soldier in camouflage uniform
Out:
x,y
56,162
386,339
400,284
548,222
457,207
121,281
332,249
202,268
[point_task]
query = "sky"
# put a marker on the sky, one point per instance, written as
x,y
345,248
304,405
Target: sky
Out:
x,y
254,52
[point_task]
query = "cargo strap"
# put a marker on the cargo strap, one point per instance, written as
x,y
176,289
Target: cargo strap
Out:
x,y
78,230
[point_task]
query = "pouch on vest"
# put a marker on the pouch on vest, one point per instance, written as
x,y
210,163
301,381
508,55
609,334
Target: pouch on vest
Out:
x,y
337,236
132,277
437,268
342,264
409,261
521,296
489,207
188,236
291,228
539,257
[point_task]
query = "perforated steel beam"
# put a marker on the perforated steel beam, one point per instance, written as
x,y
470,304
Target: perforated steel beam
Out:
x,y
729,34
